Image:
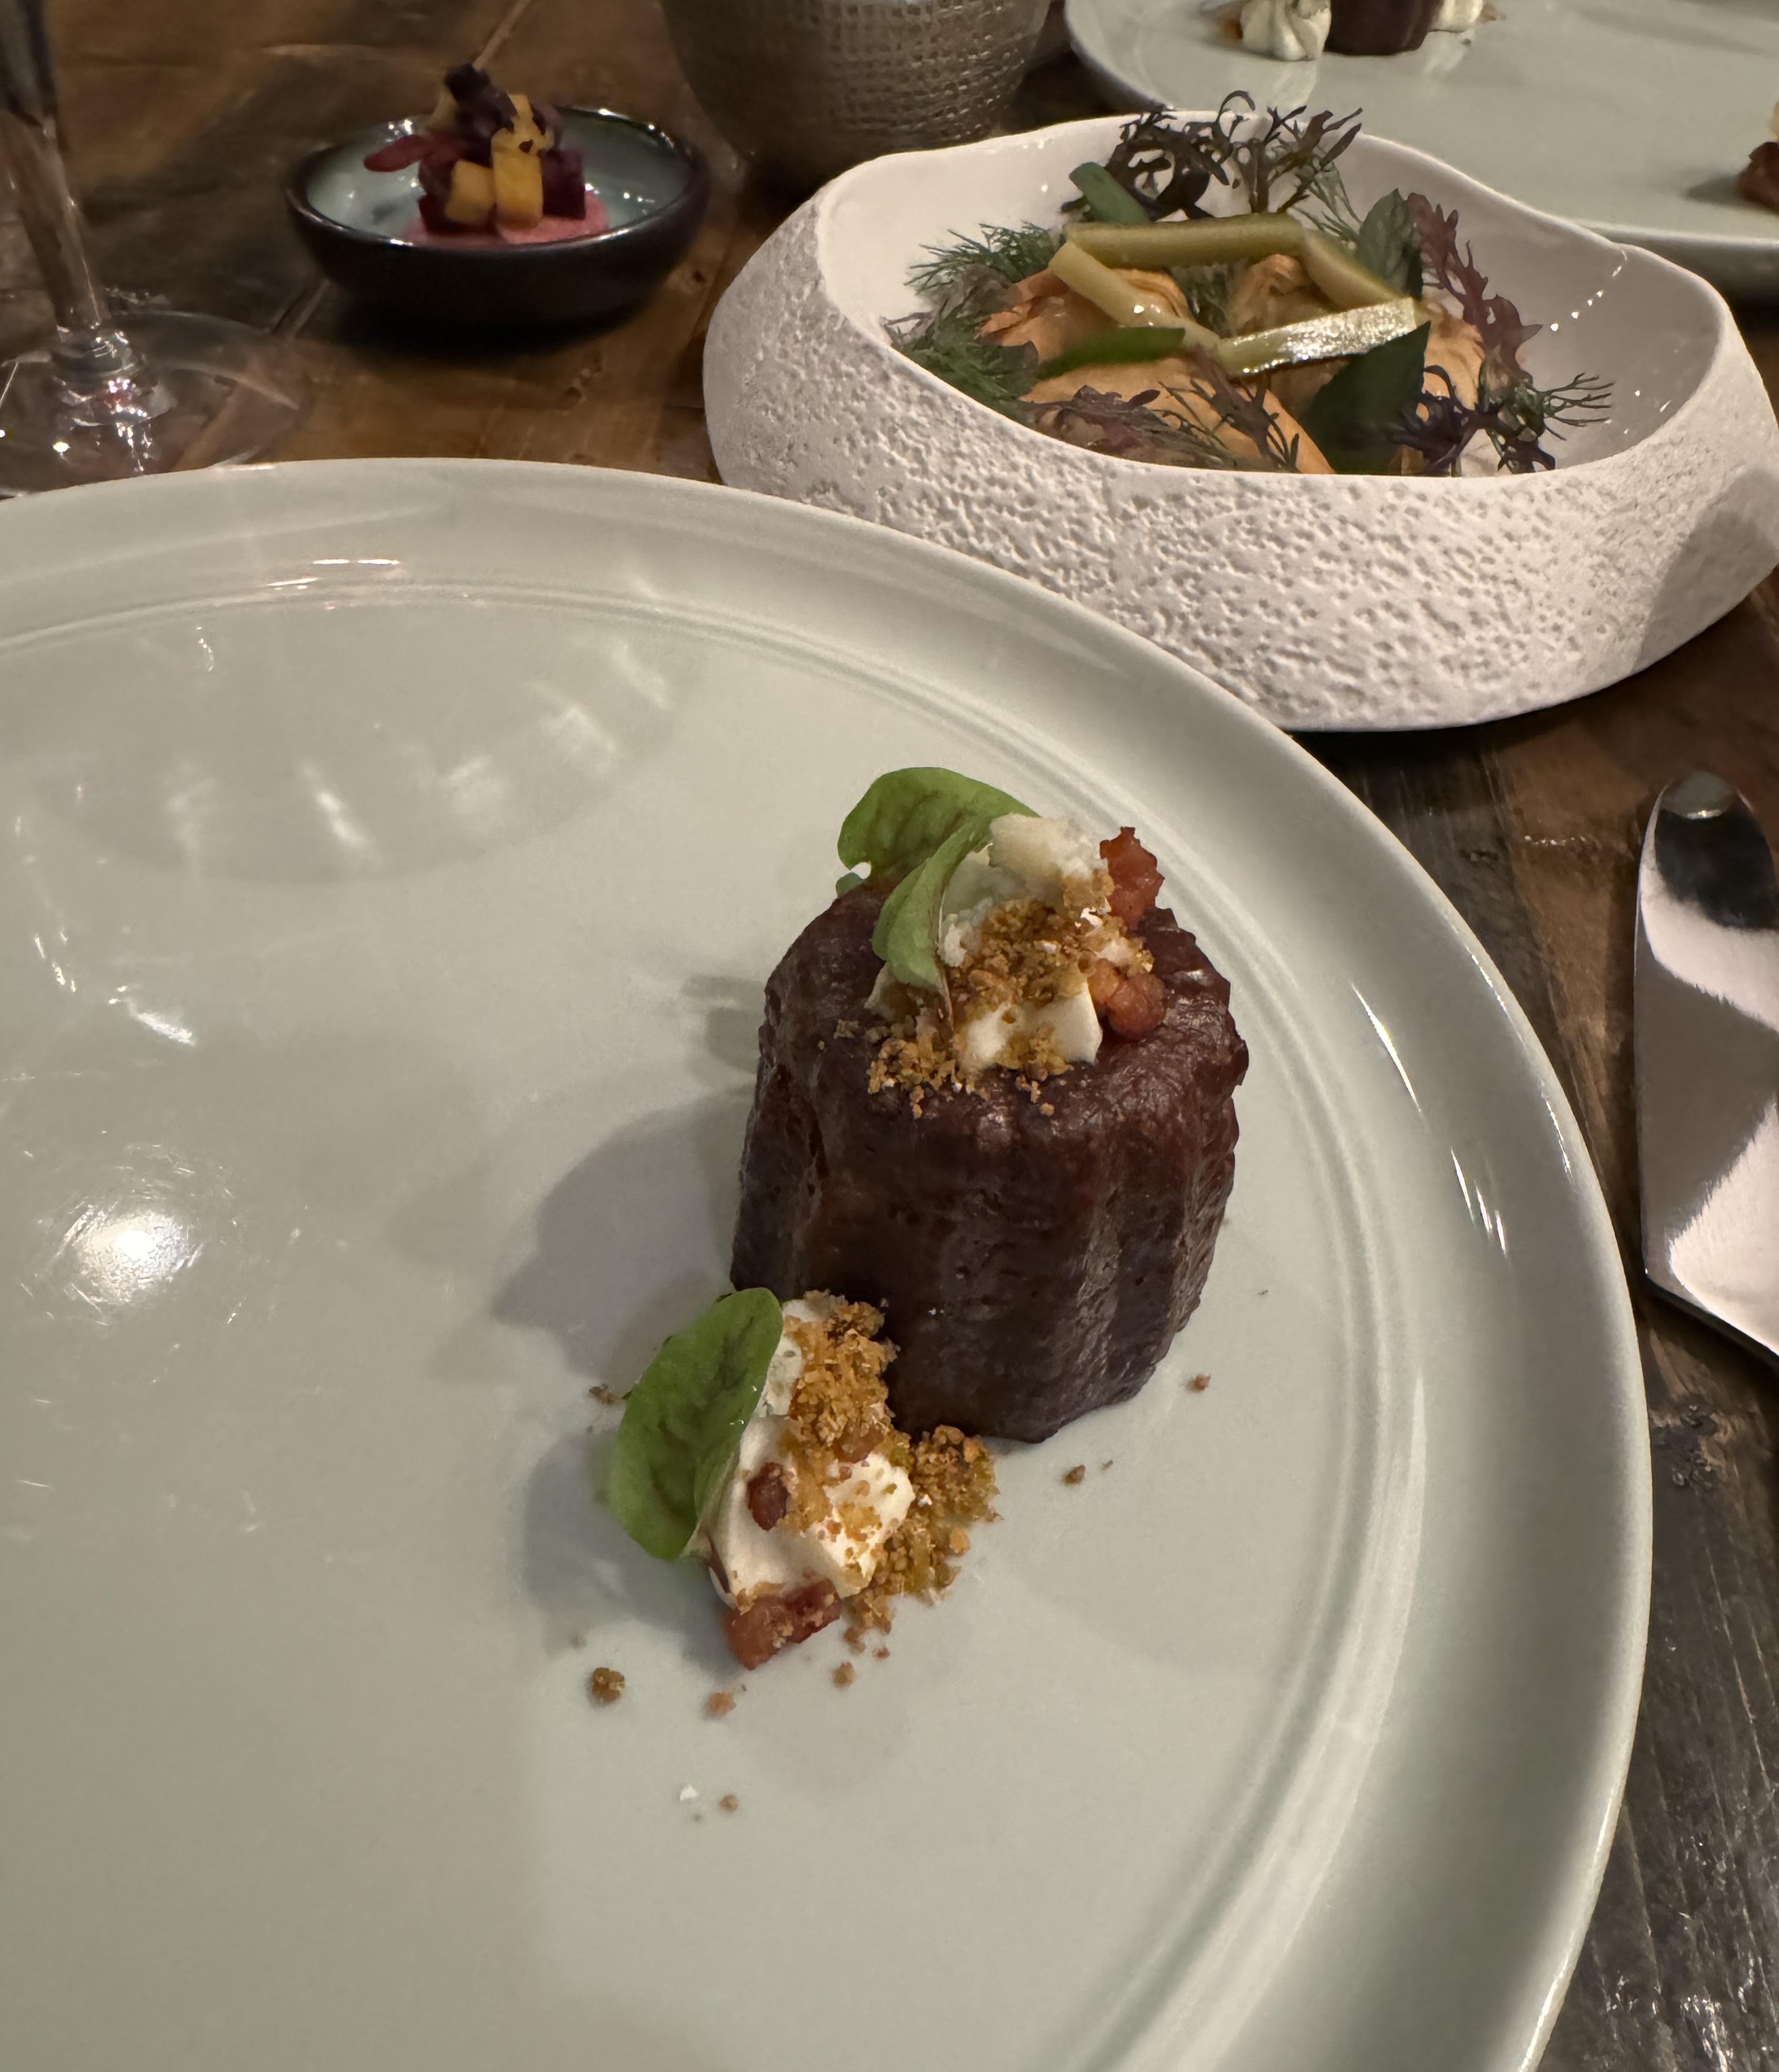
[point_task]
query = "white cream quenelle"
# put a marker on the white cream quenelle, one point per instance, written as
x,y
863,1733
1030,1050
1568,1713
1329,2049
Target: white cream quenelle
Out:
x,y
1289,29
842,1546
1030,857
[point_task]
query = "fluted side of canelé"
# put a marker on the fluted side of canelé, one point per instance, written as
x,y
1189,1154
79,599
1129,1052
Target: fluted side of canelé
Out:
x,y
1032,1266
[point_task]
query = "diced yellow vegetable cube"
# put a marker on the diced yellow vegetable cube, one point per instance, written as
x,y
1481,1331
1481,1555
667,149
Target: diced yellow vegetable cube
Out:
x,y
518,180
471,199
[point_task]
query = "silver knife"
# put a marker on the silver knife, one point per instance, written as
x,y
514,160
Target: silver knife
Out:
x,y
1708,1058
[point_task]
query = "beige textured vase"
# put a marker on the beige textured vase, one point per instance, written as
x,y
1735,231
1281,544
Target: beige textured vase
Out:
x,y
808,88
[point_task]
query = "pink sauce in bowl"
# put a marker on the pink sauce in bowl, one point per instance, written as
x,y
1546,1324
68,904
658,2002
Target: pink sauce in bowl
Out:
x,y
550,230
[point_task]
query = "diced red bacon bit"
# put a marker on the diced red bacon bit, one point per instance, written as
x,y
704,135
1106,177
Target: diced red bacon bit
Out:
x,y
768,1496
780,1620
1136,881
1130,1003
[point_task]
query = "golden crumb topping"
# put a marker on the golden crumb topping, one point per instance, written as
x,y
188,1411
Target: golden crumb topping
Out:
x,y
953,1479
606,1687
838,1411
1021,957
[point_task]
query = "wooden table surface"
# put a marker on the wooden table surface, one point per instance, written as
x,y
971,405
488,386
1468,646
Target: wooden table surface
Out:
x,y
181,122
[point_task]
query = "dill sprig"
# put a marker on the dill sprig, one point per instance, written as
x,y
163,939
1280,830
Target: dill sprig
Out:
x,y
1007,256
1207,291
945,343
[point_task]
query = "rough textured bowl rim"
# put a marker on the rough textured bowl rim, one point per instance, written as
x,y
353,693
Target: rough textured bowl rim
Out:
x,y
1711,306
296,193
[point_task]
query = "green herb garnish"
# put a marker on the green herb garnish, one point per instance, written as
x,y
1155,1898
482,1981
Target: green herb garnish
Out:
x,y
1008,256
683,1420
1389,244
918,824
1355,417
1125,345
1107,200
947,344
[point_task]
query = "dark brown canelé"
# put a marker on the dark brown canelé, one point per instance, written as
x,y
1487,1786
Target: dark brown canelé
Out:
x,y
1034,1247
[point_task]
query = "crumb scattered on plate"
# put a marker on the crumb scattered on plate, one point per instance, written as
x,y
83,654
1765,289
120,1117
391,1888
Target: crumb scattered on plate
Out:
x,y
729,1802
719,1704
606,1687
601,1394
1199,1384
844,1674
1076,1474
687,1793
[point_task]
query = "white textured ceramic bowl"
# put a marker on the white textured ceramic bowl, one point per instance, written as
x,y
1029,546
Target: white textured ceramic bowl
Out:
x,y
1326,602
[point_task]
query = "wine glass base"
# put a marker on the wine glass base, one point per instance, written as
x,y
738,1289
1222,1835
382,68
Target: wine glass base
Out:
x,y
208,391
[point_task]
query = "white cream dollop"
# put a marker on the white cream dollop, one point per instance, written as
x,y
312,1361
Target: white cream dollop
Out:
x,y
1293,30
745,1560
1027,857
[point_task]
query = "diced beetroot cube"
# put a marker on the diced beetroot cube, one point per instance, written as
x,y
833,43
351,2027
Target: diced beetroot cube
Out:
x,y
564,183
431,213
435,180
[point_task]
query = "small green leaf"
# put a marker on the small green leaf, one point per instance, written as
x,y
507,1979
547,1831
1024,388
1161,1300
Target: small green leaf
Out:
x,y
906,935
1389,245
918,824
683,1420
1125,345
907,813
850,883
1108,201
1352,419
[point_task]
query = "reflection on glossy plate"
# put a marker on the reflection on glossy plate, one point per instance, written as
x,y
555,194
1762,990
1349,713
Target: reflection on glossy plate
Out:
x,y
394,854
1634,116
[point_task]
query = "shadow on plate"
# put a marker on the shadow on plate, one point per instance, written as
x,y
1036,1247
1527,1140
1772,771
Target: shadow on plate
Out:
x,y
583,1571
633,1241
629,1245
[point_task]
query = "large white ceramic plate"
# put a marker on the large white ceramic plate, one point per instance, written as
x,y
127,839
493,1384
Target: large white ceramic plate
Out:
x,y
1633,117
393,855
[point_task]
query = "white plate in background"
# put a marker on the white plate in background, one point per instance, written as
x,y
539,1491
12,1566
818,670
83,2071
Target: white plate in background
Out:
x,y
392,856
1633,117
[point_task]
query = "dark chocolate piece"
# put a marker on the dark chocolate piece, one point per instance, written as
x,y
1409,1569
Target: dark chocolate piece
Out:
x,y
1380,28
1032,1266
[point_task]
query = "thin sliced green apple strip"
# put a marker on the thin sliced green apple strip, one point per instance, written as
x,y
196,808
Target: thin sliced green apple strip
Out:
x,y
1338,337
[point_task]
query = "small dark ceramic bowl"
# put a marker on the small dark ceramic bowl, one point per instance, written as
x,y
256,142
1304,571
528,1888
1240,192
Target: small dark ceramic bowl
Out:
x,y
359,226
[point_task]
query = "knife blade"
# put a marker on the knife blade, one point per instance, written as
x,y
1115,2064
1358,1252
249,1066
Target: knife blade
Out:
x,y
1707,1046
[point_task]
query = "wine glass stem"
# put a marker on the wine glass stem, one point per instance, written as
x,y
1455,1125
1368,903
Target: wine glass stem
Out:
x,y
89,350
